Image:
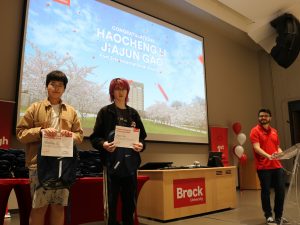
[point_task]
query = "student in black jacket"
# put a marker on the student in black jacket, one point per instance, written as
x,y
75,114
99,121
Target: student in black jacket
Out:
x,y
120,164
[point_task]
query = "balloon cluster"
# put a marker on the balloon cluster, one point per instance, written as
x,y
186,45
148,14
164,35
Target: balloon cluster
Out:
x,y
238,150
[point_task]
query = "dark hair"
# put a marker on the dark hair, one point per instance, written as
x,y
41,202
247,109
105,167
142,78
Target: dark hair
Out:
x,y
56,75
120,82
265,111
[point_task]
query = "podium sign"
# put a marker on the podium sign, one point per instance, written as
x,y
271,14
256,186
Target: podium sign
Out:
x,y
6,121
187,192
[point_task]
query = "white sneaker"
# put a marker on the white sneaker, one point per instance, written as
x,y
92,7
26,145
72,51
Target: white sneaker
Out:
x,y
7,215
271,221
282,220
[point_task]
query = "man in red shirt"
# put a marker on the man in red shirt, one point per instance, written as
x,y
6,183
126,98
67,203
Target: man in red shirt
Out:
x,y
265,143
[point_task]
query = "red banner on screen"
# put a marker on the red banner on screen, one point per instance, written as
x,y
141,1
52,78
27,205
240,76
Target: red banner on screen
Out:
x,y
65,2
6,122
189,192
219,142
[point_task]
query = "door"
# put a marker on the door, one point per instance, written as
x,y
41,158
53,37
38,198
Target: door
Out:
x,y
294,118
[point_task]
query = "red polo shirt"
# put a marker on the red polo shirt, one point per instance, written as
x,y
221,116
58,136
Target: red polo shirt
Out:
x,y
269,142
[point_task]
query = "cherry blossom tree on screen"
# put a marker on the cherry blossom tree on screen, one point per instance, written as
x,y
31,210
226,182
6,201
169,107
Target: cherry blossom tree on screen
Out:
x,y
86,96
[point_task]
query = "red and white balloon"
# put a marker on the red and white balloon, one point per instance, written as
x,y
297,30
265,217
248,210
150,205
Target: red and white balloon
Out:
x,y
241,138
237,127
238,150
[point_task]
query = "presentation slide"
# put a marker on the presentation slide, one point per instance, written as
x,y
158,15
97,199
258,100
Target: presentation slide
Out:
x,y
96,41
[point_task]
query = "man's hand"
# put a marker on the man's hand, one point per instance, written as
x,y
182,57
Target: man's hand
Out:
x,y
275,155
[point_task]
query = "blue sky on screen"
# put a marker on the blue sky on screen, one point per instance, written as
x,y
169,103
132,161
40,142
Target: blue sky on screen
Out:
x,y
85,30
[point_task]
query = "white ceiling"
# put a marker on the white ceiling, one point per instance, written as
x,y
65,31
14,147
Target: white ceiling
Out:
x,y
252,16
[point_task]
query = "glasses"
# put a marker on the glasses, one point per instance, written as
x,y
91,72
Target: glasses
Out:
x,y
56,85
263,116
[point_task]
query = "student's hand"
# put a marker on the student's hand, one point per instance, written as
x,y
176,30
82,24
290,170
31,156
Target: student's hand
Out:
x,y
138,147
51,132
109,146
66,133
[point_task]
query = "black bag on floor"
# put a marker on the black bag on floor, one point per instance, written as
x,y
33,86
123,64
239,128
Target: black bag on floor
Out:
x,y
57,172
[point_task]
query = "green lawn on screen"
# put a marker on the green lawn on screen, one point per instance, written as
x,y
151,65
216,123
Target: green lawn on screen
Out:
x,y
150,127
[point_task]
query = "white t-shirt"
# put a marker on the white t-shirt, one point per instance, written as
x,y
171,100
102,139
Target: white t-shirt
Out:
x,y
55,113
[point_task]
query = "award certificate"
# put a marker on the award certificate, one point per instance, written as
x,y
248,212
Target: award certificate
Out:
x,y
126,136
58,146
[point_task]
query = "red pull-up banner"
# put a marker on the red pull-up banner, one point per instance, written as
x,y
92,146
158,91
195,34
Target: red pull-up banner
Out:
x,y
219,142
6,122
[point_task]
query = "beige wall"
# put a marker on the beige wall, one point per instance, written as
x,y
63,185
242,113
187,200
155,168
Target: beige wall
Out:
x,y
286,88
239,79
10,24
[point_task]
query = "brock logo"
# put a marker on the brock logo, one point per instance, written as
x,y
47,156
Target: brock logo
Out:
x,y
182,193
188,192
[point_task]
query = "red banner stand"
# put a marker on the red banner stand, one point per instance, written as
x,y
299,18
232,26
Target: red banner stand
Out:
x,y
219,142
6,121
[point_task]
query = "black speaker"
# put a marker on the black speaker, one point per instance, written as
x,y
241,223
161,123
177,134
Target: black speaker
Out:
x,y
287,45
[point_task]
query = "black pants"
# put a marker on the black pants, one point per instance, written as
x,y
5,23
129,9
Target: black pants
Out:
x,y
126,188
269,178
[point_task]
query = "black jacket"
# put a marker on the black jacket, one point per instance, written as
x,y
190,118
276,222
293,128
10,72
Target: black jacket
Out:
x,y
105,123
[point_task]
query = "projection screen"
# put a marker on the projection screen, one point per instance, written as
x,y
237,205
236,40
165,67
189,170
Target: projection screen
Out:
x,y
96,41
